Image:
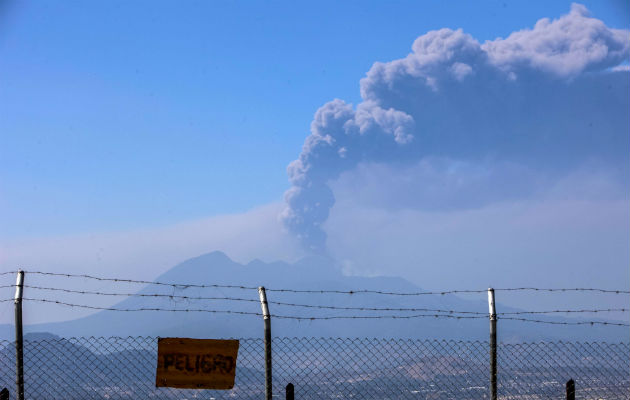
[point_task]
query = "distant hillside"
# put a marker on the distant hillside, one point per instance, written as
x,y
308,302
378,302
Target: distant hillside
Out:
x,y
310,273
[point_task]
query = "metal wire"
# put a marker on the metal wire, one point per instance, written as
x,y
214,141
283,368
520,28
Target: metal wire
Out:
x,y
226,298
204,310
350,292
140,309
603,310
119,280
432,313
314,306
610,291
118,368
313,318
130,294
565,323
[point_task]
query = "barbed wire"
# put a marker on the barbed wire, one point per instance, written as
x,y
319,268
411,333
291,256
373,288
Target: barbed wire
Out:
x,y
186,285
314,306
565,323
444,292
63,303
280,303
371,291
566,311
203,310
452,316
378,317
323,307
328,291
313,318
610,291
149,295
133,281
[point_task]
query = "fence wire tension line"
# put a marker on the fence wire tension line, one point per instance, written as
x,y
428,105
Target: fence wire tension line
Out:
x,y
322,368
320,291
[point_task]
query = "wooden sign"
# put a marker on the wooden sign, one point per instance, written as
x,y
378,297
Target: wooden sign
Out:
x,y
196,363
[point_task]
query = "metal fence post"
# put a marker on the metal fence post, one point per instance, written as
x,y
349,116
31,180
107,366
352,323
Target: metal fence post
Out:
x,y
290,392
267,320
19,342
493,345
570,389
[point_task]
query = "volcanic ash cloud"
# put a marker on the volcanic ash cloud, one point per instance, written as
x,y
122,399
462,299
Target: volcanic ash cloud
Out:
x,y
551,97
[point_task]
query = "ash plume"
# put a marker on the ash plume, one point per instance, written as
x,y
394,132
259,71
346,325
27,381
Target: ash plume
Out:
x,y
550,96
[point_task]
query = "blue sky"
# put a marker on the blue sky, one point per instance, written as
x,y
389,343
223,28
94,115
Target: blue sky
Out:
x,y
134,135
120,115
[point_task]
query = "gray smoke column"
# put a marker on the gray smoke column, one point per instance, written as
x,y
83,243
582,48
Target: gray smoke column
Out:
x,y
531,98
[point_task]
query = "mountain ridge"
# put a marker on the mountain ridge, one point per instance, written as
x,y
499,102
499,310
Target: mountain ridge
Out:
x,y
311,273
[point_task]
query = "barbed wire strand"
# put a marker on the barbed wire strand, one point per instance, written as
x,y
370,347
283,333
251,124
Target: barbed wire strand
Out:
x,y
368,291
603,310
241,312
150,295
191,285
565,323
280,303
321,318
611,291
444,292
314,306
133,281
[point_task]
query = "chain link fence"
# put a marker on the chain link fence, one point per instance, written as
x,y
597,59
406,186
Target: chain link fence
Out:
x,y
327,368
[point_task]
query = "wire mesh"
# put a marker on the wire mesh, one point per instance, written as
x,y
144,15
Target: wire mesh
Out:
x,y
327,368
